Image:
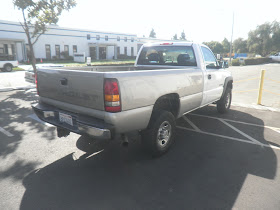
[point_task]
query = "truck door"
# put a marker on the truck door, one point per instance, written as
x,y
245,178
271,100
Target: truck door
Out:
x,y
213,79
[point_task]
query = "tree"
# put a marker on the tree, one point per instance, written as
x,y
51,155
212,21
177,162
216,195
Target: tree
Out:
x,y
152,33
240,46
37,15
183,36
275,28
175,37
260,39
215,46
226,45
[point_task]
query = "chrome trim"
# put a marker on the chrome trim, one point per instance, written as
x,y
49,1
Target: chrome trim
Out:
x,y
48,114
95,132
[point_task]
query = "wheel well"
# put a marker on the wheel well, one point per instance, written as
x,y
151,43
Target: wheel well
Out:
x,y
169,102
8,64
229,84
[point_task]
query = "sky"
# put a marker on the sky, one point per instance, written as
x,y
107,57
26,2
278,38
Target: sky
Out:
x,y
201,20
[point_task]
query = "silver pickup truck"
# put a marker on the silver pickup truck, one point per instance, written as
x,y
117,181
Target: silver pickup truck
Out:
x,y
167,81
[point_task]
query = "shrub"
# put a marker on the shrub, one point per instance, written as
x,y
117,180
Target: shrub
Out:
x,y
123,57
66,55
256,61
235,62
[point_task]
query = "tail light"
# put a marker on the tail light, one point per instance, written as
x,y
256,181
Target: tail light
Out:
x,y
36,82
112,101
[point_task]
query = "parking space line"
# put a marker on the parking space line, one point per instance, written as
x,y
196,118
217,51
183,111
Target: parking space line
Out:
x,y
240,122
276,130
7,133
34,117
240,132
231,138
243,91
191,124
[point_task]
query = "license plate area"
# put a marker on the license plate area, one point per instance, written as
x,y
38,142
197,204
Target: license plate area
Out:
x,y
65,118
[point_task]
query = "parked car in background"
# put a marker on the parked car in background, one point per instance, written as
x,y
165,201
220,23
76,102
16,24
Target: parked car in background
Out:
x,y
7,63
275,57
29,74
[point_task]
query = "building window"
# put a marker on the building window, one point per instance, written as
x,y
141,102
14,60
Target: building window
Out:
x,y
132,51
48,52
125,50
97,37
118,38
106,38
125,39
13,49
75,49
6,49
132,39
88,36
57,51
118,51
66,50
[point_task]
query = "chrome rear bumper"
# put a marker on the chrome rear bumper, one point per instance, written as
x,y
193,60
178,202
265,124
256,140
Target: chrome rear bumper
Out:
x,y
81,124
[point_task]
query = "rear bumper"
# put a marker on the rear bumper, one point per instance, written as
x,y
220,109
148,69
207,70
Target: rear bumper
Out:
x,y
82,124
30,80
29,77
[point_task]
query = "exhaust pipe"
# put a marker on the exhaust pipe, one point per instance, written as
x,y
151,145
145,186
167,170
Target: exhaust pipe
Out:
x,y
61,132
124,140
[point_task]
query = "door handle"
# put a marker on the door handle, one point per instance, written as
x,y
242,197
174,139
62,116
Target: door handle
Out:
x,y
63,81
209,76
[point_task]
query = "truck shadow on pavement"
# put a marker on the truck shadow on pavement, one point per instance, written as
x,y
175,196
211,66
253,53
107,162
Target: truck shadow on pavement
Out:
x,y
14,118
199,172
15,108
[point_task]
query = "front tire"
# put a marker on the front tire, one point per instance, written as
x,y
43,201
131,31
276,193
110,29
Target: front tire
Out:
x,y
159,136
224,103
8,68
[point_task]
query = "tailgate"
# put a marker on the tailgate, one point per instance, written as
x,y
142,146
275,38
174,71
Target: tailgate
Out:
x,y
82,88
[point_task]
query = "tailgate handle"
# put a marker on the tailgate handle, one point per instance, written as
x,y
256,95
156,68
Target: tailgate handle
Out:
x,y
63,81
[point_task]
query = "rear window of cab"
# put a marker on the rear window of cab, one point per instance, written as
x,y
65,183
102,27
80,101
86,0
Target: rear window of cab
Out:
x,y
167,56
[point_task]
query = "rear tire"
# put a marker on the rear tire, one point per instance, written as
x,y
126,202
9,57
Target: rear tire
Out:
x,y
159,136
224,103
8,68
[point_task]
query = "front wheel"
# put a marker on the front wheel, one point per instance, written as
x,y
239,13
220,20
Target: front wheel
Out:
x,y
8,68
159,136
224,103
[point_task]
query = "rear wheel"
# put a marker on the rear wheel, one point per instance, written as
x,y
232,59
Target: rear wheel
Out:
x,y
8,67
224,103
159,136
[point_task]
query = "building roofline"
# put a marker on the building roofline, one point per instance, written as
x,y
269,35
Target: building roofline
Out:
x,y
55,27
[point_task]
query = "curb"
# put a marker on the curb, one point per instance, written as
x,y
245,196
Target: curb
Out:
x,y
17,88
255,106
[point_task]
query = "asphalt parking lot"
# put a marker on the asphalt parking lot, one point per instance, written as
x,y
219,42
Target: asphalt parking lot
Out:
x,y
217,162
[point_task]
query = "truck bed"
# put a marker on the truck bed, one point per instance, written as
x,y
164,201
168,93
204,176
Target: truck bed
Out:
x,y
139,87
115,68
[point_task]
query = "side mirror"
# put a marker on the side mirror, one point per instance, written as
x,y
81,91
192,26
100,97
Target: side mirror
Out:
x,y
226,64
223,64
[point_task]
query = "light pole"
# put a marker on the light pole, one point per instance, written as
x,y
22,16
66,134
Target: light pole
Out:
x,y
230,51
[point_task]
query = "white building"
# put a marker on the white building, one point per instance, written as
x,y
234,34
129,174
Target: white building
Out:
x,y
95,44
